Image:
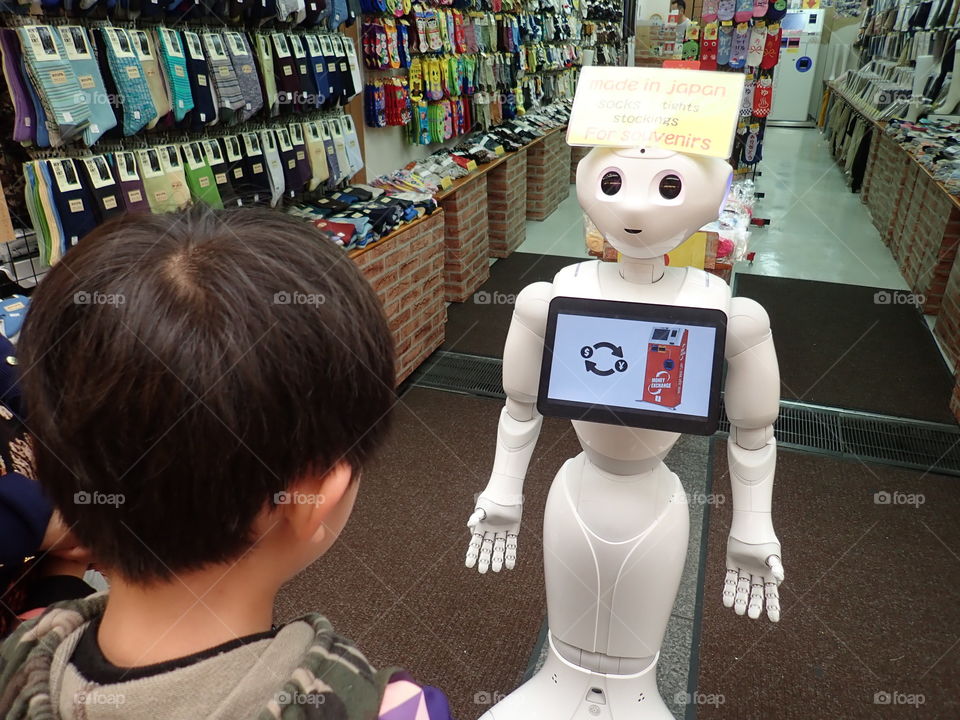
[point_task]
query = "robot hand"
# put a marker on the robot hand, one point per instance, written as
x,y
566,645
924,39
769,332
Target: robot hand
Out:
x,y
494,529
754,572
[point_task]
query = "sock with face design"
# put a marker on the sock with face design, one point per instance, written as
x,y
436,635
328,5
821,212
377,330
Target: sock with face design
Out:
x,y
726,9
709,13
708,47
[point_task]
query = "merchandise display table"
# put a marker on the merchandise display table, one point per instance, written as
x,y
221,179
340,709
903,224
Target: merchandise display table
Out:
x,y
406,270
917,218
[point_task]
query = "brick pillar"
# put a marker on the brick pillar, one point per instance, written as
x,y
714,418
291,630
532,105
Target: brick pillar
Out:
x,y
466,239
548,175
406,270
507,203
576,155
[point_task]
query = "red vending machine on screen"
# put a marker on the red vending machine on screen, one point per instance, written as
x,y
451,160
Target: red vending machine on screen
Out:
x,y
666,357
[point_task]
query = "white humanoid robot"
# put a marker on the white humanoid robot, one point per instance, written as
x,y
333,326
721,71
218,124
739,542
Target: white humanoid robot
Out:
x,y
616,524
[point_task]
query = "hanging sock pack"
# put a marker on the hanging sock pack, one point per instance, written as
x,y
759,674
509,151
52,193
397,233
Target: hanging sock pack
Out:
x,y
73,202
726,9
275,169
263,48
204,103
304,173
771,49
147,57
725,45
137,106
318,164
229,97
77,49
241,57
103,187
55,82
760,8
307,92
743,11
741,41
213,152
758,38
708,46
776,10
762,97
132,190
25,120
200,180
746,105
317,66
175,64
709,12
172,165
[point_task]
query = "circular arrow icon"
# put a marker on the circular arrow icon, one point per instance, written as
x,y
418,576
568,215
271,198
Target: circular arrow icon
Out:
x,y
620,365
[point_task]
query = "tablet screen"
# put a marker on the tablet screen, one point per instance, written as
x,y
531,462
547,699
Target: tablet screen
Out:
x,y
642,365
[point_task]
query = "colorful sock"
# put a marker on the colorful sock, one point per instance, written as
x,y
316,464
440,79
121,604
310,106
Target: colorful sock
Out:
x,y
771,48
708,47
738,53
762,96
751,145
776,11
758,37
746,106
744,10
725,45
726,9
709,13
760,8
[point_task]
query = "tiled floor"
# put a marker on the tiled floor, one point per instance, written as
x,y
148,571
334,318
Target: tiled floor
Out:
x,y
819,230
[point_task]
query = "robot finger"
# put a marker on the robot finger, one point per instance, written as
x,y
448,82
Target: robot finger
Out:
x,y
499,544
473,549
743,587
478,516
755,607
486,548
773,601
510,558
729,588
776,568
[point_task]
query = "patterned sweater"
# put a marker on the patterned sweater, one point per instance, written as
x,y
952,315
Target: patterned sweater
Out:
x,y
303,672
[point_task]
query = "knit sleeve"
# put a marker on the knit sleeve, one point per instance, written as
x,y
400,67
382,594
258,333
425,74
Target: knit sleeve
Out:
x,y
405,699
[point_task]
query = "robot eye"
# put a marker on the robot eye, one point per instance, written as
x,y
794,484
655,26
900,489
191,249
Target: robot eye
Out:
x,y
611,182
670,186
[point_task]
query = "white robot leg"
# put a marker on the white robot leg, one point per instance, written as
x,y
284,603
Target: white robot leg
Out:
x,y
614,549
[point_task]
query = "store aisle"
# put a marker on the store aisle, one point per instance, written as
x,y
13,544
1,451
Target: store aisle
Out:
x,y
819,230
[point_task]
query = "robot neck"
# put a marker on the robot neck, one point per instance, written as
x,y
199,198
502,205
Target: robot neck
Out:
x,y
642,271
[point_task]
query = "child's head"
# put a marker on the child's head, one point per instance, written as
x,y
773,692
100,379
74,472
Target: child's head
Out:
x,y
202,384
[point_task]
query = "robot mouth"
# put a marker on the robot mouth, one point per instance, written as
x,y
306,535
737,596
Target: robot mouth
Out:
x,y
633,231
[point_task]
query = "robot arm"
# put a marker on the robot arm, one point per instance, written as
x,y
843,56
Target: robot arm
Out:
x,y
495,521
752,398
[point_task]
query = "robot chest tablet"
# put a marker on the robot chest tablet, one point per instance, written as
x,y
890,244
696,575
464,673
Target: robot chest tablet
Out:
x,y
635,364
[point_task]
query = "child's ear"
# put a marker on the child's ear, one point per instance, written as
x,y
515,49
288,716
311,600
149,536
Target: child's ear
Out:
x,y
310,500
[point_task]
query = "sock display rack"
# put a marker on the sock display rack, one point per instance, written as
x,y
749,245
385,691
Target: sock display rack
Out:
x,y
444,69
106,111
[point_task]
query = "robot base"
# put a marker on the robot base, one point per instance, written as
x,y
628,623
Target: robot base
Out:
x,y
563,691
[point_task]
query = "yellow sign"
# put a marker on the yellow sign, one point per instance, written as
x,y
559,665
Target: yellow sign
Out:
x,y
687,111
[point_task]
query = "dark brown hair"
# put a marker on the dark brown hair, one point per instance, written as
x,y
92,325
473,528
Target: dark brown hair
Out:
x,y
181,370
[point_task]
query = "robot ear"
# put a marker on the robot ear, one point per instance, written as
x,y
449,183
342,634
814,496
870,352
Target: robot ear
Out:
x,y
721,177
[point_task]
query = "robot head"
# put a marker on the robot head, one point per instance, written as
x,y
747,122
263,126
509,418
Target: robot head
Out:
x,y
647,201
